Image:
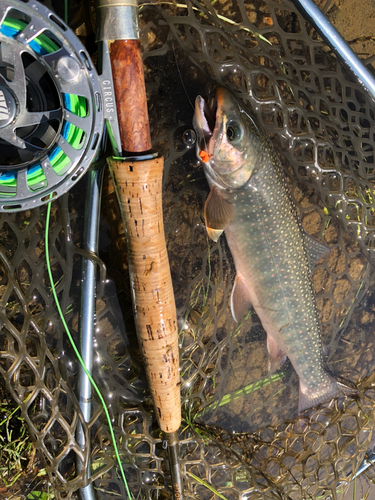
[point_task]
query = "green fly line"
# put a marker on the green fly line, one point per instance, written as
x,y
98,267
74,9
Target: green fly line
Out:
x,y
58,159
76,351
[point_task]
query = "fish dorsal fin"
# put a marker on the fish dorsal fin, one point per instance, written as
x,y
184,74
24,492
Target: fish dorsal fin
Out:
x,y
240,301
315,250
218,213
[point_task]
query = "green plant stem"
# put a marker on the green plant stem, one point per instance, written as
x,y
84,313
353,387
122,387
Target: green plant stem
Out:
x,y
203,483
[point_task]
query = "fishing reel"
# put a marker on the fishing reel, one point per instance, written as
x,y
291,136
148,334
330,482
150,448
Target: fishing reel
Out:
x,y
51,116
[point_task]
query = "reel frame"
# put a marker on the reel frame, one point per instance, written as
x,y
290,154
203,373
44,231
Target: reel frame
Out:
x,y
51,112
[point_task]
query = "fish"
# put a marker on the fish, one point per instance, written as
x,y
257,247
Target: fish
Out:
x,y
250,202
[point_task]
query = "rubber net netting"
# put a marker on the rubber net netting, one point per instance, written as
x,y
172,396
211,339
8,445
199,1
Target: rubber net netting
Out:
x,y
241,435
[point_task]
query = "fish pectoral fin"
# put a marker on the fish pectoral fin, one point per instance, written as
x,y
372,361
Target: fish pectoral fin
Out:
x,y
218,213
315,250
277,356
240,301
214,234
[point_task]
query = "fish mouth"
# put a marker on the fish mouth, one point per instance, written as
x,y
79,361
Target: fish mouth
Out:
x,y
205,118
222,140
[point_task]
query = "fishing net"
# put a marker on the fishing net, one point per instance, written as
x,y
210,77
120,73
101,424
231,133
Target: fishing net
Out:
x,y
241,436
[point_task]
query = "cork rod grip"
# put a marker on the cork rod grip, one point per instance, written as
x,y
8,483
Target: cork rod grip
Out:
x,y
139,190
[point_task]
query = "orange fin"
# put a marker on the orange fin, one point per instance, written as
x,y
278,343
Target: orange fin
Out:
x,y
218,213
277,357
240,301
214,234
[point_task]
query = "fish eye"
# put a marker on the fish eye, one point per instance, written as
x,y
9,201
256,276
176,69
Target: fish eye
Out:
x,y
234,132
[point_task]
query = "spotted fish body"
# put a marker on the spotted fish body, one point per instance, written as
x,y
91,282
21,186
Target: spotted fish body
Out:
x,y
250,201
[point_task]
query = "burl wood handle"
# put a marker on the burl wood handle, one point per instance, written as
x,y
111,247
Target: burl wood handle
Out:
x,y
139,190
130,91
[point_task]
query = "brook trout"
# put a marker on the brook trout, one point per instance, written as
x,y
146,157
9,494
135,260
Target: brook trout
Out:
x,y
250,201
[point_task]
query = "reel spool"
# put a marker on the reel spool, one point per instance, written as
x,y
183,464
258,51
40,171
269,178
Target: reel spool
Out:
x,y
51,116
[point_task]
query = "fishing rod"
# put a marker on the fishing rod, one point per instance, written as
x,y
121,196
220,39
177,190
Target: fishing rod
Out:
x,y
137,173
45,163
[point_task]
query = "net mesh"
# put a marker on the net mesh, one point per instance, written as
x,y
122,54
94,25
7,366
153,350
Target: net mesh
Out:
x,y
240,437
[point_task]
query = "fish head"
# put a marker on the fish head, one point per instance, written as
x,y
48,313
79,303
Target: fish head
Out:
x,y
227,140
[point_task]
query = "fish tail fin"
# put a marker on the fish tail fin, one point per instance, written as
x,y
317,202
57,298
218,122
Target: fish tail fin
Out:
x,y
329,389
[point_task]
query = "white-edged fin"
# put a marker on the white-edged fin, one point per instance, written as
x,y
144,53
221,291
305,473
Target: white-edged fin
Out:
x,y
218,213
214,234
277,356
240,301
330,389
315,250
